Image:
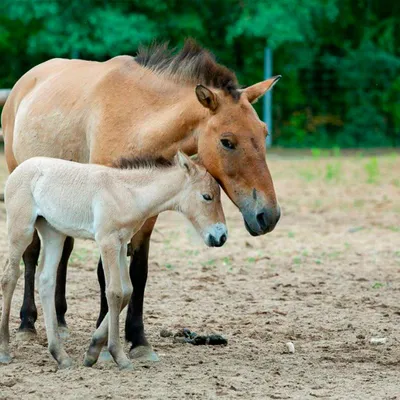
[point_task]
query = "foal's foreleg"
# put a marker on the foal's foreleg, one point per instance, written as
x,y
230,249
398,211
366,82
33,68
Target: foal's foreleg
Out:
x,y
110,249
101,335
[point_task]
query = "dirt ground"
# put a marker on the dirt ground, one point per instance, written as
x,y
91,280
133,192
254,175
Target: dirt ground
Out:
x,y
327,279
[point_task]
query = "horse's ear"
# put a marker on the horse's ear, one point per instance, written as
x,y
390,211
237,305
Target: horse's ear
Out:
x,y
257,90
207,97
186,163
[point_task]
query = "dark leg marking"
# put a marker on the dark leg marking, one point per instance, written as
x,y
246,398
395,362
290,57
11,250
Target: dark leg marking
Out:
x,y
134,327
28,313
103,298
60,299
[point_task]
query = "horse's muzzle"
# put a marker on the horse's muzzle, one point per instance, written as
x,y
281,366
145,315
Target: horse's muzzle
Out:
x,y
261,222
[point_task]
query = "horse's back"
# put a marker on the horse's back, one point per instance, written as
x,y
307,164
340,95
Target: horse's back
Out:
x,y
51,108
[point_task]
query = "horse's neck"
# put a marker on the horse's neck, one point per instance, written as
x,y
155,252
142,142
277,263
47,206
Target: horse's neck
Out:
x,y
174,124
160,189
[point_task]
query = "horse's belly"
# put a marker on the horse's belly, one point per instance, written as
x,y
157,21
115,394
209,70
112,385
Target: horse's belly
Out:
x,y
44,129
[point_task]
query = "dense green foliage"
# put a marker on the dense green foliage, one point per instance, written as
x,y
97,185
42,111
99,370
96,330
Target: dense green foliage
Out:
x,y
340,59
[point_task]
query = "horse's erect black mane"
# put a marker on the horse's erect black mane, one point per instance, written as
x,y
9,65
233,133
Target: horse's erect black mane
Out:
x,y
142,162
192,64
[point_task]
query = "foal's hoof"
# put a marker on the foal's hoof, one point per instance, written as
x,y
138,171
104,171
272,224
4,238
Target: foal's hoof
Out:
x,y
26,335
89,361
5,358
65,364
126,366
105,356
143,353
63,331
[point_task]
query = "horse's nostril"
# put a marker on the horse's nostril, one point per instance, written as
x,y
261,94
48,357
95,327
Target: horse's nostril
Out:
x,y
222,240
261,219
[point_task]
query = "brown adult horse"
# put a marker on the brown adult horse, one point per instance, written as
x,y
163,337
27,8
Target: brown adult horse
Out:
x,y
150,105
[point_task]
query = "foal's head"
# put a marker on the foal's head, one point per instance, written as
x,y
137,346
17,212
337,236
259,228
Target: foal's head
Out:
x,y
200,202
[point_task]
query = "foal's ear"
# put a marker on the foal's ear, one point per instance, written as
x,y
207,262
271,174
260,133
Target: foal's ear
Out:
x,y
206,97
186,163
257,90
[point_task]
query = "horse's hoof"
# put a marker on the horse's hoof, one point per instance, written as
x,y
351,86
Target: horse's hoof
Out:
x,y
105,356
63,331
65,364
143,353
5,358
126,366
26,335
89,361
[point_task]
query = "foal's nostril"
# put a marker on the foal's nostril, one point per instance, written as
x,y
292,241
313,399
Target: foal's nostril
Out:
x,y
214,242
211,241
261,219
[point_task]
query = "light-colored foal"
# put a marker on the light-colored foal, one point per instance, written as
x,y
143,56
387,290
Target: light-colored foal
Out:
x,y
61,198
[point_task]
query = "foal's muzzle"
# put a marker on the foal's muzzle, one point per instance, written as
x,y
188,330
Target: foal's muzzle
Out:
x,y
216,235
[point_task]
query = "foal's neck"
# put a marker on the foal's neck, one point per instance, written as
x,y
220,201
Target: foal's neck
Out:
x,y
160,189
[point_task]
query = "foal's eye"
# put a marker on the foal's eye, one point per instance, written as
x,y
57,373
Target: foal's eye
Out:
x,y
228,144
207,197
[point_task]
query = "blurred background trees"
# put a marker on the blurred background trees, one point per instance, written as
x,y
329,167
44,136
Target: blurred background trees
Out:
x,y
340,59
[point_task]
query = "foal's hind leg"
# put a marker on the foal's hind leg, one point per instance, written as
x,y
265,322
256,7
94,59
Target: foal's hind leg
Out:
x,y
28,313
8,283
20,234
53,242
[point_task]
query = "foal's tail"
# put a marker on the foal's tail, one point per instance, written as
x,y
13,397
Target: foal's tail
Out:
x,y
2,197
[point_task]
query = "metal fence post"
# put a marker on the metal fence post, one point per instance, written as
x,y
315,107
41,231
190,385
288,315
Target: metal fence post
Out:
x,y
267,103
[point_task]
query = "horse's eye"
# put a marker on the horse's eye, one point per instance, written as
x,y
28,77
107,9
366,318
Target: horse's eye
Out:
x,y
207,197
228,144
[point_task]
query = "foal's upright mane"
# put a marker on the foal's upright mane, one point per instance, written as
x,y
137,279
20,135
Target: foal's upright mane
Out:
x,y
192,64
142,163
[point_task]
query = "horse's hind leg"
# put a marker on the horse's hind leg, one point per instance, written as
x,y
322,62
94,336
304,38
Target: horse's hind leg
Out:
x,y
28,313
61,302
53,242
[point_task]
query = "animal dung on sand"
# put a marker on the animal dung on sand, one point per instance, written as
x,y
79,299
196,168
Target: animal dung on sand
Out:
x,y
185,335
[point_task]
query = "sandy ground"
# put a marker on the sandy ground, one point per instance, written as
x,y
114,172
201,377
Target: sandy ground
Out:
x,y
327,279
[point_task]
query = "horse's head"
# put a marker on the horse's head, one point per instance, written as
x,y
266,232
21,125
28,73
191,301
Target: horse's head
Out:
x,y
232,148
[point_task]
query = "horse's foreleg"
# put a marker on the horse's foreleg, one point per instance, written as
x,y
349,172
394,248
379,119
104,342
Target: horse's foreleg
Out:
x,y
61,302
103,298
134,327
28,313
